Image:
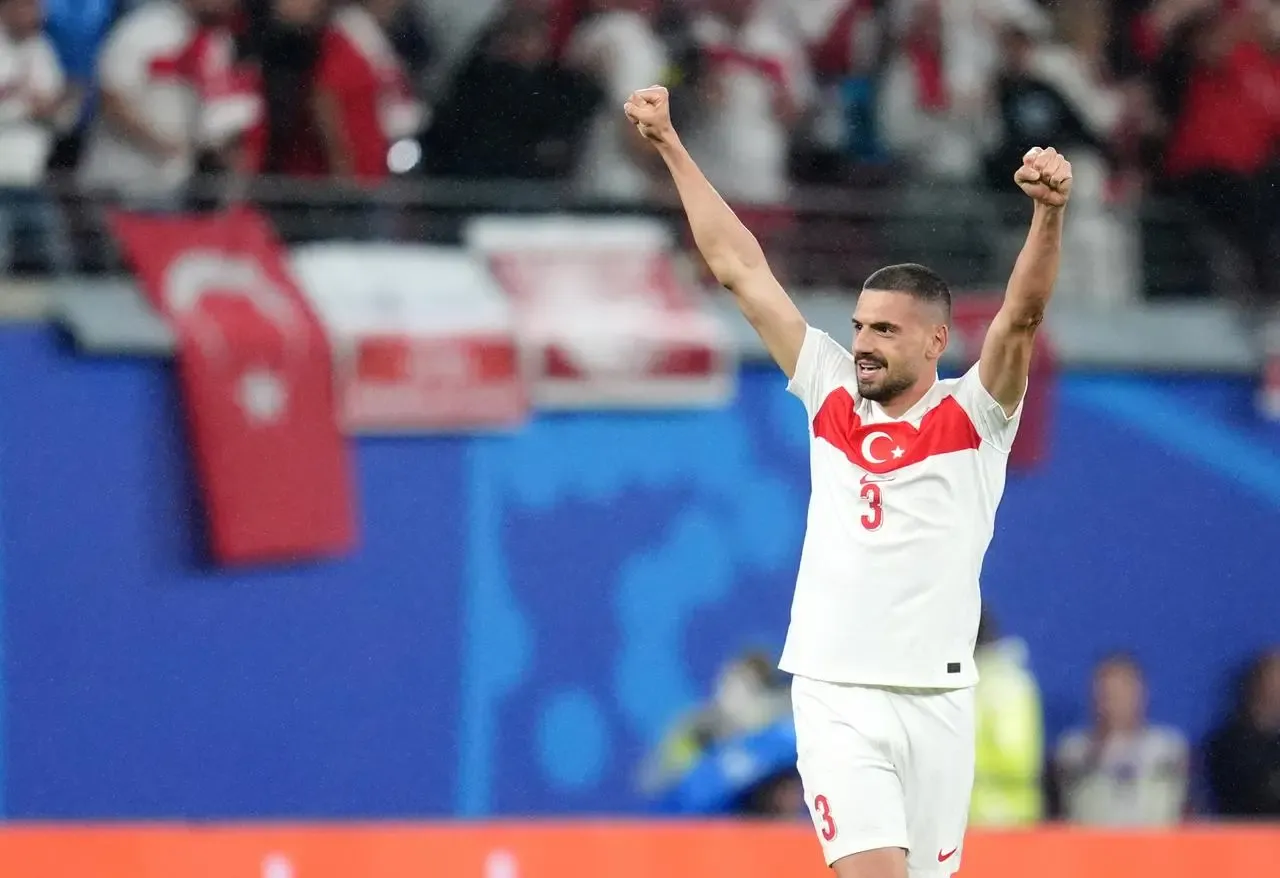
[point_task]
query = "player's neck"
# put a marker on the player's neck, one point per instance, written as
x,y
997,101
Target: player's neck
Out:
x,y
905,401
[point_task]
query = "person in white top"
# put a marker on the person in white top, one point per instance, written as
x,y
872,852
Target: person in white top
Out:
x,y
756,86
148,130
34,103
620,47
907,473
921,116
1123,771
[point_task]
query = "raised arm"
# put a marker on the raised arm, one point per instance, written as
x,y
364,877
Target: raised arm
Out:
x,y
732,253
1045,176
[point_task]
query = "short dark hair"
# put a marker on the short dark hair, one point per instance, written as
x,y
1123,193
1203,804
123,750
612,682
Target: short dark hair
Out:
x,y
1121,660
915,280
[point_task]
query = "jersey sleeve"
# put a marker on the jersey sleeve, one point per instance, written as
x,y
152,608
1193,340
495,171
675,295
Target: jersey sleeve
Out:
x,y
47,78
823,365
125,60
993,425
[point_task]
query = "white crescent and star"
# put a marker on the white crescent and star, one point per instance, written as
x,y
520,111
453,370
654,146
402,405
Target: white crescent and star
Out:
x,y
870,440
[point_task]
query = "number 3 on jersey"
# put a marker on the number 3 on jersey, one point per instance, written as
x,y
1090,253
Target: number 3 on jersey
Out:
x,y
874,516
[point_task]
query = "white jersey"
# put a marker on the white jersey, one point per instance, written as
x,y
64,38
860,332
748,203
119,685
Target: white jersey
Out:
x,y
900,516
1135,779
141,63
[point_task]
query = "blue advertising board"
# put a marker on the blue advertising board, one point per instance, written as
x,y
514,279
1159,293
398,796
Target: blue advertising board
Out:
x,y
527,614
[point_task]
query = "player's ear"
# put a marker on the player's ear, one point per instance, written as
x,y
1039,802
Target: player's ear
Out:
x,y
938,341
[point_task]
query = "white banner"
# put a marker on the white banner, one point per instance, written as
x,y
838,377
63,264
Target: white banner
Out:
x,y
604,314
423,341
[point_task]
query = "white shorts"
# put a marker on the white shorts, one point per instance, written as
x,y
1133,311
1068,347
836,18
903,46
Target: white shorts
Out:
x,y
887,768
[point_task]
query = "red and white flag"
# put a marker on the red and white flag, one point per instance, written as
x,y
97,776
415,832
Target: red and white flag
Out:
x,y
257,381
423,339
605,315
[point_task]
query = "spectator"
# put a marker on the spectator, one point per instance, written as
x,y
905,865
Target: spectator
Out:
x,y
843,36
918,120
1221,150
1009,745
1048,91
1145,29
845,41
166,88
749,695
1122,771
512,112
33,100
1243,755
362,99
76,28
756,79
619,46
1148,55
936,130
283,38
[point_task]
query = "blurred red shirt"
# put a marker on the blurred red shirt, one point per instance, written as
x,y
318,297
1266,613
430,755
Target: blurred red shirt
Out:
x,y
1230,118
358,68
353,69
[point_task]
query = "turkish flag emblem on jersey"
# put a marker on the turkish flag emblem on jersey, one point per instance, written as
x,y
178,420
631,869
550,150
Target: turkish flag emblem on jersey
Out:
x,y
257,380
884,447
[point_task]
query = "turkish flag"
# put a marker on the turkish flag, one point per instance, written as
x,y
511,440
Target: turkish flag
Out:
x,y
257,378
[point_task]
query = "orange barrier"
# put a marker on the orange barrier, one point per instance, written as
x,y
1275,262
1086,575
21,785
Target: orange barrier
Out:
x,y
595,850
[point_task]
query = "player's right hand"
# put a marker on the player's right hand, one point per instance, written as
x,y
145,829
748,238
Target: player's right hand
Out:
x,y
649,109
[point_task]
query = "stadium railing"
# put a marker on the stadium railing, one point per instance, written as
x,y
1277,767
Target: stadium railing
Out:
x,y
828,238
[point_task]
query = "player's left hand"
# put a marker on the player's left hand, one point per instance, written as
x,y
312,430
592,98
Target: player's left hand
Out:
x,y
649,109
1045,175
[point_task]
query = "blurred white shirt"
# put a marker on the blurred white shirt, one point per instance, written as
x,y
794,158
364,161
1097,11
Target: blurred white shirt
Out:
x,y
29,71
820,21
626,54
740,141
1138,779
136,64
945,143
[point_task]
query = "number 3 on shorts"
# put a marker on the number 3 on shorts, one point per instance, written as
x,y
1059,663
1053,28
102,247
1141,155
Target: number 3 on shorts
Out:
x,y
823,809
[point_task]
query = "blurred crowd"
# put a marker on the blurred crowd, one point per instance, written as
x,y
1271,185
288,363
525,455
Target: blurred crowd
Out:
x,y
1116,767
932,100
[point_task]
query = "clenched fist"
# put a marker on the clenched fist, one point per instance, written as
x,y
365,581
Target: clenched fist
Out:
x,y
649,109
1045,175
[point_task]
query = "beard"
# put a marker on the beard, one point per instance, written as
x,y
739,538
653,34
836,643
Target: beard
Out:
x,y
885,385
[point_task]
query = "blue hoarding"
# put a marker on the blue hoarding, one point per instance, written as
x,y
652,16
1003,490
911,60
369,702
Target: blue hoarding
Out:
x,y
527,613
